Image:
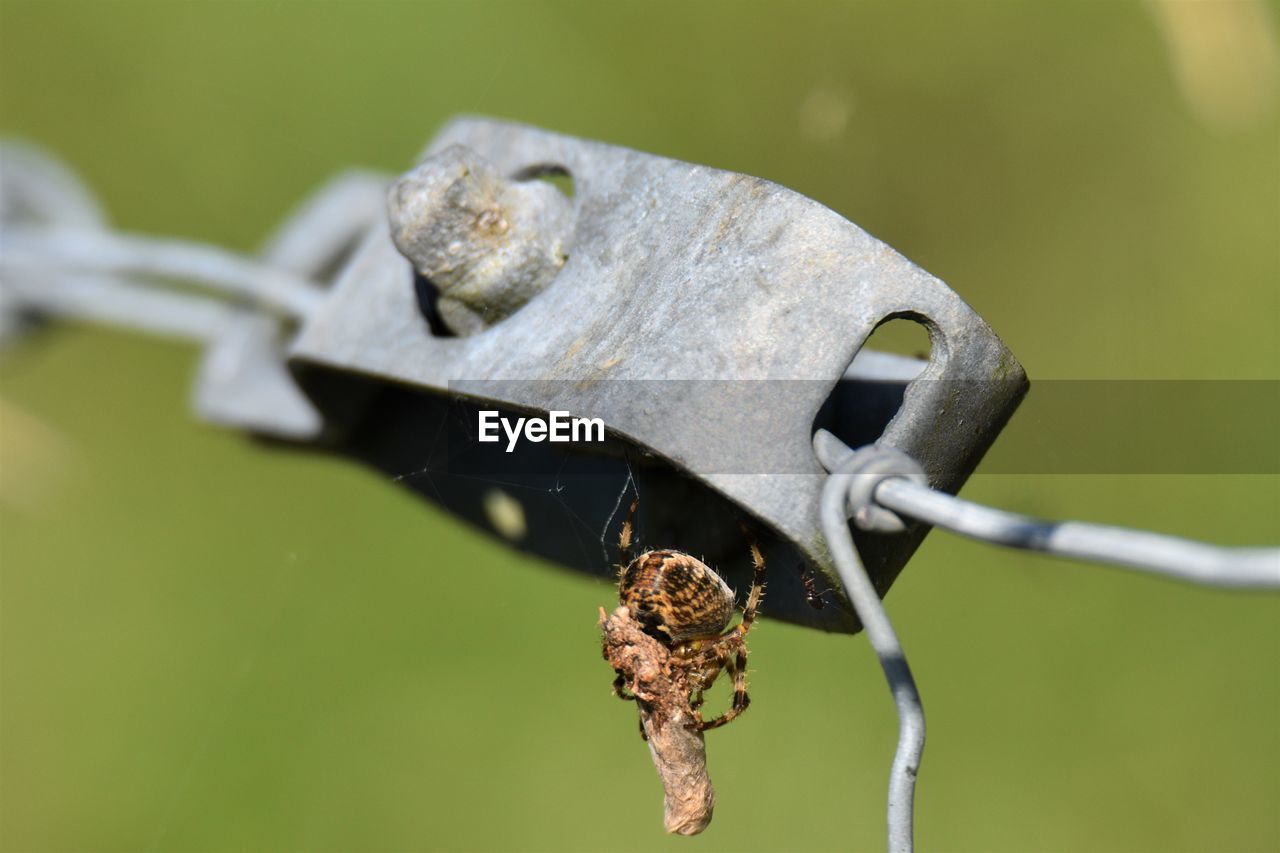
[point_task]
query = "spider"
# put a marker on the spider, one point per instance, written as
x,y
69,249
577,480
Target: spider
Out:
x,y
680,601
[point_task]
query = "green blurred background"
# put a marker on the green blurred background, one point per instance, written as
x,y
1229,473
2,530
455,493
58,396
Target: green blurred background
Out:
x,y
208,644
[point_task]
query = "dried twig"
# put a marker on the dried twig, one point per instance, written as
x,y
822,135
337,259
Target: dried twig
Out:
x,y
661,691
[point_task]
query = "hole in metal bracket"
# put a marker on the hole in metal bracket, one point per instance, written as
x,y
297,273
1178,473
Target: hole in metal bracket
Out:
x,y
871,391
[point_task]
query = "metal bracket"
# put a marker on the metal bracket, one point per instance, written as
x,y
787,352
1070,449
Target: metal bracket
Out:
x,y
706,317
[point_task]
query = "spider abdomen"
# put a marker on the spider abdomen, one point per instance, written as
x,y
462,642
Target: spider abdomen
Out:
x,y
675,597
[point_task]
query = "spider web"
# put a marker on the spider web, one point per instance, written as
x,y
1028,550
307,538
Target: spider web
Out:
x,y
563,502
566,502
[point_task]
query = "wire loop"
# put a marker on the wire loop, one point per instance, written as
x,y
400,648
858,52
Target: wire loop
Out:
x,y
870,466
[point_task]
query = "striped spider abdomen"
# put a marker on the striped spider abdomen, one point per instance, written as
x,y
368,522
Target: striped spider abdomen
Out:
x,y
675,597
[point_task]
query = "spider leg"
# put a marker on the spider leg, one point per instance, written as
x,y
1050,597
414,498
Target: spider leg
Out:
x,y
620,689
757,585
752,607
738,668
625,537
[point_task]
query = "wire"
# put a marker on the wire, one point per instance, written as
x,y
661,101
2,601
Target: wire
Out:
x,y
103,299
866,483
884,640
24,248
882,486
1245,568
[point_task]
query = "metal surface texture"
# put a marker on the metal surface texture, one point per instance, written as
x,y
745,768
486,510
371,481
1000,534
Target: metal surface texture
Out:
x,y
710,319
683,281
